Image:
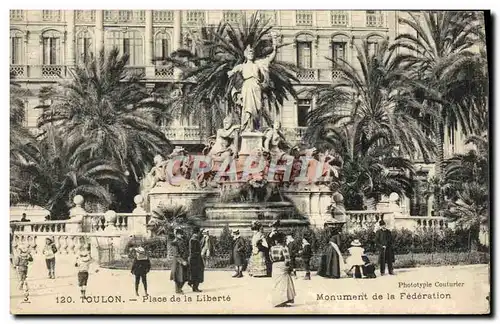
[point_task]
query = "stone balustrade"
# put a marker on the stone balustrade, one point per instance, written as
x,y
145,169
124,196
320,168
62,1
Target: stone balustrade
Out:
x,y
414,223
66,243
61,226
363,219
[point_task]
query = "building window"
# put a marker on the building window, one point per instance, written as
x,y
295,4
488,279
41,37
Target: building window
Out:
x,y
161,46
373,47
304,55
374,18
303,108
17,15
268,16
232,16
195,17
338,55
304,18
16,49
124,15
51,50
419,201
163,16
51,15
83,47
129,42
85,16
339,18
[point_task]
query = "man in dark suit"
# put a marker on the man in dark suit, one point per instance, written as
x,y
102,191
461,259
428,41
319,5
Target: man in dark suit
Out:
x,y
196,266
180,253
238,255
384,242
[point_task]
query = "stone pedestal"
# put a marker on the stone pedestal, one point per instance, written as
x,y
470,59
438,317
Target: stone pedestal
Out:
x,y
250,141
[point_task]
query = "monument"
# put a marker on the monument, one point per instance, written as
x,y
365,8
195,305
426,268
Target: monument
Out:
x,y
242,176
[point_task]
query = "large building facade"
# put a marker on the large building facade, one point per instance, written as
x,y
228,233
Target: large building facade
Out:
x,y
45,44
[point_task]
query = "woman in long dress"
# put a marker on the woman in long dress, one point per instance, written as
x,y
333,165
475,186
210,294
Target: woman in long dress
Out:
x,y
332,262
283,288
257,264
255,77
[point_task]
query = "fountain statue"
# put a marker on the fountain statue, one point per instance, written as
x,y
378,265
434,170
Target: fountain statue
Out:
x,y
226,141
255,77
272,141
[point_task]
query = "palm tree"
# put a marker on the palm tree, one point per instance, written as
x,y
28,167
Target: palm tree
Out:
x,y
466,187
220,49
57,171
110,112
22,141
384,101
370,167
451,75
164,219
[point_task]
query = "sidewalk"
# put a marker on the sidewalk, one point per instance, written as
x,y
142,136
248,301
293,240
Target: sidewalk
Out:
x,y
112,290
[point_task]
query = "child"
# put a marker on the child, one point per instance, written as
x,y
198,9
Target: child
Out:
x,y
50,251
83,262
21,263
355,259
140,269
368,268
306,254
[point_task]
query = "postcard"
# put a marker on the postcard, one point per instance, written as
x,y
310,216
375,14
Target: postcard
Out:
x,y
249,162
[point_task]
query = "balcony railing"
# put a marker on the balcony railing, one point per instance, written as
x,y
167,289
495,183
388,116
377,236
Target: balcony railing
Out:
x,y
83,16
308,75
164,72
233,16
163,16
268,16
53,71
338,75
18,71
136,70
183,133
17,15
194,134
121,16
339,18
304,18
195,17
51,15
374,19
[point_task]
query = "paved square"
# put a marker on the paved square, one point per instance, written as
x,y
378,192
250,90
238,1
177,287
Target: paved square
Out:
x,y
111,292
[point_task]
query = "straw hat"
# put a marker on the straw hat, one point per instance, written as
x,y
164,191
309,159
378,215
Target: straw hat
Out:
x,y
236,232
140,250
356,243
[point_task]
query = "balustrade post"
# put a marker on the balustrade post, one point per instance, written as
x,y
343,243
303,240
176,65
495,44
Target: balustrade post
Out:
x,y
76,213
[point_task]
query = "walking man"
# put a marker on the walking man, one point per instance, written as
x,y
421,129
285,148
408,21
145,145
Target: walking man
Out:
x,y
207,247
384,242
306,254
179,270
196,266
238,255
